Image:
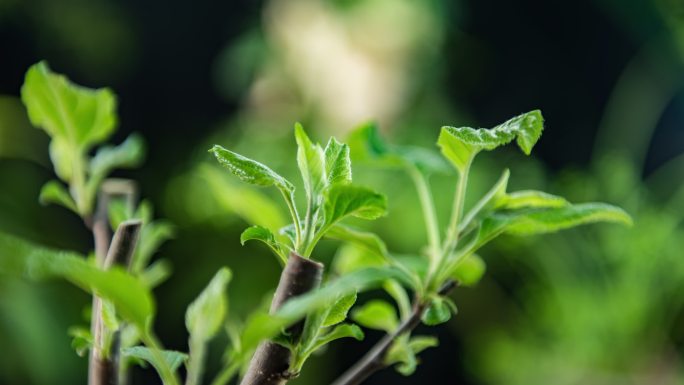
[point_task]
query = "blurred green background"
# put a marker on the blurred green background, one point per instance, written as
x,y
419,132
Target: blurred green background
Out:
x,y
597,305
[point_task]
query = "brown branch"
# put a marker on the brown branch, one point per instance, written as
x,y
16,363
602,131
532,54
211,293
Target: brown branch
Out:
x,y
374,360
104,368
271,362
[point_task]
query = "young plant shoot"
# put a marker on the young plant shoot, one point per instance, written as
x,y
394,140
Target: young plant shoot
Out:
x,y
119,276
451,253
272,346
330,197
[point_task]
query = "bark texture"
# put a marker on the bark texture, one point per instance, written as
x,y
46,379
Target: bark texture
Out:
x,y
271,362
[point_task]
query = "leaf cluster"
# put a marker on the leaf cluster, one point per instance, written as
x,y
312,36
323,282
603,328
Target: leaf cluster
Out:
x,y
330,197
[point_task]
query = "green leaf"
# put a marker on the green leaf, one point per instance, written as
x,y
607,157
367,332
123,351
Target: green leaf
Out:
x,y
258,233
311,160
346,200
337,162
545,220
404,354
172,358
559,218
340,331
351,257
366,240
224,195
460,145
313,326
398,293
128,154
438,312
377,314
132,299
367,144
266,236
338,312
79,116
531,198
420,343
250,171
262,325
156,273
290,232
205,315
400,353
54,192
82,339
469,271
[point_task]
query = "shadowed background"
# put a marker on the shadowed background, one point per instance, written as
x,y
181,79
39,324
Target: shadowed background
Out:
x,y
596,305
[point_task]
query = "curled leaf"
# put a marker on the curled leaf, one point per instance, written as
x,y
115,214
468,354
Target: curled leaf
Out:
x,y
461,144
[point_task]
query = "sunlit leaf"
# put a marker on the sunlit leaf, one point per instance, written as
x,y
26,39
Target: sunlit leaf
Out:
x,y
337,162
77,115
338,312
311,161
469,271
349,200
264,235
250,171
531,198
63,158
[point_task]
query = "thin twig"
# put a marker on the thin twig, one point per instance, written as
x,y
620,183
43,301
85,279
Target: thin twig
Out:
x,y
104,368
374,360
